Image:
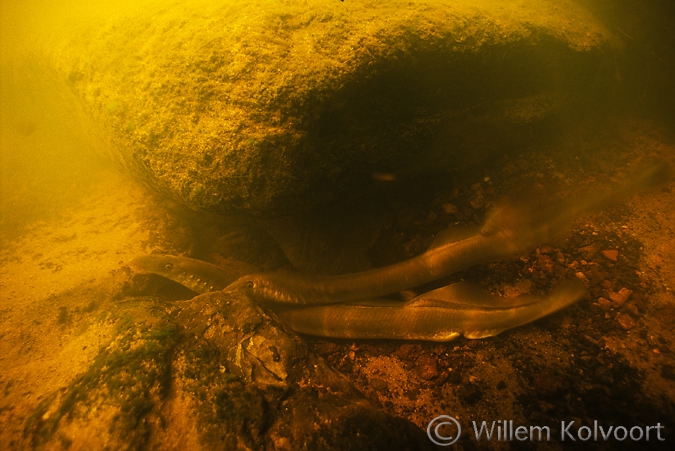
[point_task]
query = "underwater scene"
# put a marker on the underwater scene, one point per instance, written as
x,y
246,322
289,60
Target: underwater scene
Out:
x,y
337,225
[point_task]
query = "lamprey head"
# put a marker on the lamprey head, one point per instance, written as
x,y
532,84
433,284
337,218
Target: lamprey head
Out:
x,y
252,285
276,288
153,264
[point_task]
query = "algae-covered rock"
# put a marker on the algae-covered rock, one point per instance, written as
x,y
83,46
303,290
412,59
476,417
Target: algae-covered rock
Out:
x,y
212,373
262,106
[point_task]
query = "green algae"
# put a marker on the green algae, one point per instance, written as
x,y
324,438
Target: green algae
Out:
x,y
128,374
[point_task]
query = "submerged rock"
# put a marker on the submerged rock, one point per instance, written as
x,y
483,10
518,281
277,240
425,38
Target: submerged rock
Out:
x,y
268,107
212,373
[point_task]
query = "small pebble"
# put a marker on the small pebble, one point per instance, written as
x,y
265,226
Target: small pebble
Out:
x,y
546,250
477,201
590,250
449,208
426,367
545,263
483,356
632,308
560,257
440,380
625,321
610,254
604,303
407,351
620,298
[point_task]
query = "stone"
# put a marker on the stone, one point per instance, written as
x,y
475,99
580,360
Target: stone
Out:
x,y
426,367
214,373
610,254
239,106
604,303
545,264
619,298
449,209
589,251
625,321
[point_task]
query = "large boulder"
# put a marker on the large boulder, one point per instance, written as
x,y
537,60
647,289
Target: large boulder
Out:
x,y
273,106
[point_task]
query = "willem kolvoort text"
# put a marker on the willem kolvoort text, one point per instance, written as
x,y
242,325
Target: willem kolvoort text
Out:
x,y
505,430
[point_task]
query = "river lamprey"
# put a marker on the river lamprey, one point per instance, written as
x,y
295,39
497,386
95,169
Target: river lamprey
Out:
x,y
351,305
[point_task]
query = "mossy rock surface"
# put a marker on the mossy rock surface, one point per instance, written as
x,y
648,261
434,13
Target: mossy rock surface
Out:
x,y
211,373
262,106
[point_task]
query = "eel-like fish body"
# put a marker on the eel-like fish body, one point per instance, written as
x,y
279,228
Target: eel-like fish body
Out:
x,y
453,250
439,315
197,275
513,233
512,229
